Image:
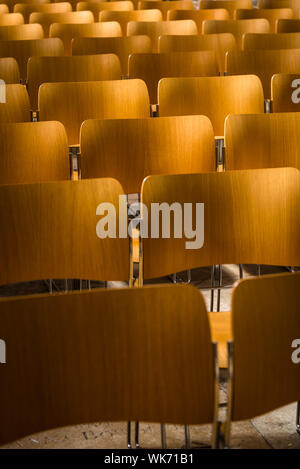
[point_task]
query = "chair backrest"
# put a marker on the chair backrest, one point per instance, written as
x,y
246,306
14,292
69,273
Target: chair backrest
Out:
x,y
96,7
214,97
156,29
166,5
105,330
68,32
9,70
63,69
248,217
3,9
153,67
272,15
21,32
121,46
199,15
49,231
273,4
236,27
288,26
16,106
131,149
11,19
33,152
285,92
123,17
73,103
12,3
220,43
230,5
263,63
23,50
262,141
271,41
69,17
265,322
27,8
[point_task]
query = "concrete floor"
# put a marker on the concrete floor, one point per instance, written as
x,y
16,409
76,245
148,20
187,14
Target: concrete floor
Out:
x,y
274,430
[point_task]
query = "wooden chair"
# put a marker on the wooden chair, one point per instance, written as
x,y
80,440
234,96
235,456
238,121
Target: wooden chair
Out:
x,y
215,97
263,63
33,152
131,149
220,43
121,379
97,7
68,32
12,3
265,322
16,107
70,69
123,47
272,15
73,103
22,50
276,142
154,30
271,41
236,27
293,4
27,8
123,17
288,26
166,6
9,70
198,15
285,92
3,9
230,5
21,32
49,231
11,19
70,17
153,67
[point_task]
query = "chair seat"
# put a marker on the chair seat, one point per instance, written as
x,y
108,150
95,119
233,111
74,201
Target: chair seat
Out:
x,y
221,332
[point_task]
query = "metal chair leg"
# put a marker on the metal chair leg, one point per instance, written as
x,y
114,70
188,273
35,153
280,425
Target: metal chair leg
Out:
x,y
187,436
219,289
298,418
137,444
212,284
241,271
163,436
128,435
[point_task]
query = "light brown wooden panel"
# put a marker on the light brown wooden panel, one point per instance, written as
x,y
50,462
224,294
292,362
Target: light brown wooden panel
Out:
x,y
262,141
221,332
12,3
97,7
220,43
49,231
68,32
64,69
131,149
73,103
236,27
153,67
27,8
250,217
80,357
272,15
271,41
21,32
121,46
3,8
214,97
199,15
167,5
285,92
16,107
229,5
293,4
264,64
71,17
288,26
9,70
154,30
11,19
265,320
33,152
123,17
22,50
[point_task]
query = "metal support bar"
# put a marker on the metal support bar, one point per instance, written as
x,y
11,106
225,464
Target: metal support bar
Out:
x,y
187,436
163,436
298,418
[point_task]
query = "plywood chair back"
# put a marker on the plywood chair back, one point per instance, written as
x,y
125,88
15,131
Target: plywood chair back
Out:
x,y
123,17
33,152
12,3
273,4
3,9
69,17
97,7
230,5
11,19
21,32
288,26
73,103
166,6
14,104
285,92
27,8
199,15
9,70
271,41
272,15
203,95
